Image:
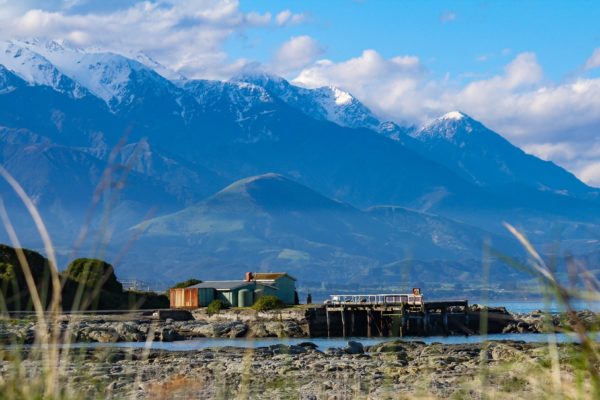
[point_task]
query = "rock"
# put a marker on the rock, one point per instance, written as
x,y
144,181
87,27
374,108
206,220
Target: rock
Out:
x,y
386,347
176,315
238,330
169,335
309,345
129,332
354,348
502,352
103,336
334,351
284,349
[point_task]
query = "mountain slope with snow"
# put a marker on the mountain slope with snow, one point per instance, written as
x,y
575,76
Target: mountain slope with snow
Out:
x,y
74,114
481,155
36,69
68,69
326,103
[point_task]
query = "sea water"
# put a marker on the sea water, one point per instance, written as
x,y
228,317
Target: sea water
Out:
x,y
324,343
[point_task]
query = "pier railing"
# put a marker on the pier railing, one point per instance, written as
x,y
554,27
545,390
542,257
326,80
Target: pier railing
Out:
x,y
370,299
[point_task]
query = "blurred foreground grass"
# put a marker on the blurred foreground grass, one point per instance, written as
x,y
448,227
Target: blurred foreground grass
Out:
x,y
50,368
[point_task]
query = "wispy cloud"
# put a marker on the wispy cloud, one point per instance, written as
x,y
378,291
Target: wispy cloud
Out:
x,y
186,35
286,17
553,120
296,53
593,61
448,16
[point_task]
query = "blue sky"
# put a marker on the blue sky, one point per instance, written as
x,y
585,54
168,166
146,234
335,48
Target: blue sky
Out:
x,y
456,37
528,69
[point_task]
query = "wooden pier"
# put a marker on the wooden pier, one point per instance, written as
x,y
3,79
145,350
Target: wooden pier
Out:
x,y
388,315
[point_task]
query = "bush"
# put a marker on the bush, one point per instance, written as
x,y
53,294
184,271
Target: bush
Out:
x,y
146,300
95,274
14,291
215,306
267,303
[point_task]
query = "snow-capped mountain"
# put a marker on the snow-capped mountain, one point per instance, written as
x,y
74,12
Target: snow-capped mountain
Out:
x,y
453,126
36,69
70,114
111,77
325,103
483,156
242,99
72,70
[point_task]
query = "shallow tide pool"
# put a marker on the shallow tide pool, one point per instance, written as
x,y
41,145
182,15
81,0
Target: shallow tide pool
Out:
x,y
324,343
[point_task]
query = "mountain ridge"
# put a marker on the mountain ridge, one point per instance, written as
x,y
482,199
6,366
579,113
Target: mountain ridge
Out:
x,y
182,140
304,236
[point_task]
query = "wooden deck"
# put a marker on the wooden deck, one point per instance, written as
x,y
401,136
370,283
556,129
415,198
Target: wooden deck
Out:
x,y
389,315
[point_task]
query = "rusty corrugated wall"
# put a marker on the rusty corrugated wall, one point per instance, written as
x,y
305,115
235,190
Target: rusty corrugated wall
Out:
x,y
184,298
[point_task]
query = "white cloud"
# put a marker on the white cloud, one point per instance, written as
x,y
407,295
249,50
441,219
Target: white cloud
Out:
x,y
582,157
296,53
381,83
591,174
286,17
185,35
448,16
550,151
557,121
593,61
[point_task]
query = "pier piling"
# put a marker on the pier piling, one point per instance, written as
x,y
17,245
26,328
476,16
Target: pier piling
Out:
x,y
389,315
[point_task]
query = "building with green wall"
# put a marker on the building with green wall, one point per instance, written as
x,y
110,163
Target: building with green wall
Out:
x,y
243,293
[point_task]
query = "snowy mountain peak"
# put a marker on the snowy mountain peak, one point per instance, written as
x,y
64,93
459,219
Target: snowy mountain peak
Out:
x,y
259,78
336,105
113,78
454,126
36,69
325,103
67,68
159,68
341,98
454,116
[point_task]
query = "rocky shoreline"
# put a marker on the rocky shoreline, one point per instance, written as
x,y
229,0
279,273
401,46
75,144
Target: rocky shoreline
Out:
x,y
392,369
395,369
289,323
143,326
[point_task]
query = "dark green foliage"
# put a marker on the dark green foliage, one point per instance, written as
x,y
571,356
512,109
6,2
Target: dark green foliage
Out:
x,y
267,303
147,300
13,287
7,272
87,284
215,306
92,284
94,274
189,282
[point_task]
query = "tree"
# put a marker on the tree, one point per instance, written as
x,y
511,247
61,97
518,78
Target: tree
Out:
x,y
94,274
14,291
